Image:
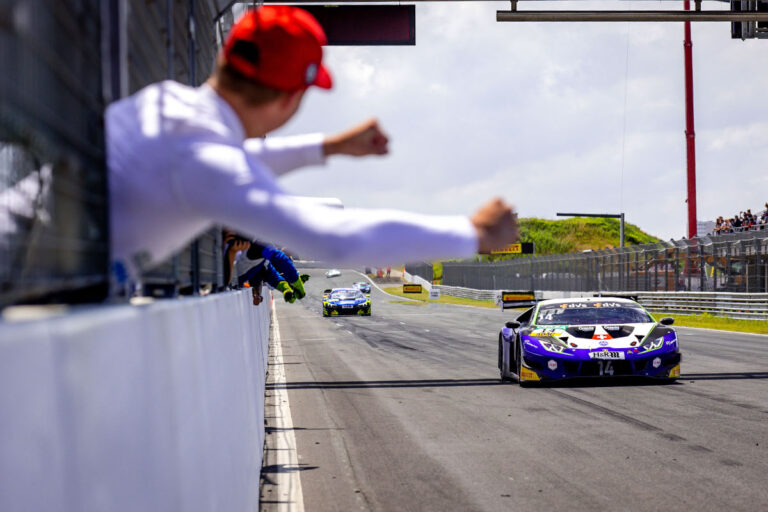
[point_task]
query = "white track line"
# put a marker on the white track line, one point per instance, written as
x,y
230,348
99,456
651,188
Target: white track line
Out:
x,y
290,497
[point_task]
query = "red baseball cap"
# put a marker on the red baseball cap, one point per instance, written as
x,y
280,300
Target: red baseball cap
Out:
x,y
279,47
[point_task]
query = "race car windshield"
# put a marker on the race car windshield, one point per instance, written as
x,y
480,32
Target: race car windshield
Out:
x,y
346,295
588,314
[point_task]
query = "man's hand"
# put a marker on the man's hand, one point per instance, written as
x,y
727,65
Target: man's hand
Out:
x,y
361,140
496,225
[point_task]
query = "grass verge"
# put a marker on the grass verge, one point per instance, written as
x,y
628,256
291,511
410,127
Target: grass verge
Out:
x,y
444,299
708,321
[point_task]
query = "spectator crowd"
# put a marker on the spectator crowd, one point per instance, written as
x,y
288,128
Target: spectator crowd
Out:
x,y
744,221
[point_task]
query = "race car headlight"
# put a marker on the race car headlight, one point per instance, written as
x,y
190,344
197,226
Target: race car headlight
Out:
x,y
553,346
653,344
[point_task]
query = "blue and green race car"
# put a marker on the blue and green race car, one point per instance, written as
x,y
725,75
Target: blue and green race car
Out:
x,y
345,301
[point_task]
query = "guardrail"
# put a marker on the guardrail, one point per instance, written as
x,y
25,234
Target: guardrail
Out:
x,y
467,293
753,306
731,305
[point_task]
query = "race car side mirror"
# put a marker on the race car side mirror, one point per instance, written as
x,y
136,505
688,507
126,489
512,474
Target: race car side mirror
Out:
x,y
667,320
512,325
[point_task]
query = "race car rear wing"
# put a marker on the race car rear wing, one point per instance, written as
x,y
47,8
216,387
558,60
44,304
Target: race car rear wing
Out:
x,y
516,299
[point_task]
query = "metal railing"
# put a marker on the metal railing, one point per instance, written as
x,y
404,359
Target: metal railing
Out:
x,y
725,263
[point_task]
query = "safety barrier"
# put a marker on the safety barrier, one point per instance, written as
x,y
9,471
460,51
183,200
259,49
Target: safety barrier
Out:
x,y
124,408
467,293
731,305
411,278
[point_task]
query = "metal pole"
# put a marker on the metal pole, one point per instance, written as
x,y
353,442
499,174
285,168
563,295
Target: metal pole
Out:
x,y
192,79
690,134
169,34
621,229
626,16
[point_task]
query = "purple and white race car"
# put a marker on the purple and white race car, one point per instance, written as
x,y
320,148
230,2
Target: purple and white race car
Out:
x,y
587,337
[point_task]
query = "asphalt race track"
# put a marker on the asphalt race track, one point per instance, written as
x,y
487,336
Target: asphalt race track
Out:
x,y
404,410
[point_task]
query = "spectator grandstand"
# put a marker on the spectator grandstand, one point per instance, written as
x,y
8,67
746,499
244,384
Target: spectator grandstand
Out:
x,y
744,221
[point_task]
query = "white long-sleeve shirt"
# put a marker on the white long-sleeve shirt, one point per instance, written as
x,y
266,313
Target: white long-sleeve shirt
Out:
x,y
179,162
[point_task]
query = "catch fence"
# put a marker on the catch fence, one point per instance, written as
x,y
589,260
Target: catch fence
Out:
x,y
61,63
53,209
726,263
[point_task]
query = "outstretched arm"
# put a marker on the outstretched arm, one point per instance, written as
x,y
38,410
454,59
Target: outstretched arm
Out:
x,y
219,185
285,154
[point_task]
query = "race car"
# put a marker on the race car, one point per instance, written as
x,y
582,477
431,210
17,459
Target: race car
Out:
x,y
588,337
345,301
363,287
334,272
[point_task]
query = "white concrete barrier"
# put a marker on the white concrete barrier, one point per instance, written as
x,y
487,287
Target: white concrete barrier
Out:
x,y
124,408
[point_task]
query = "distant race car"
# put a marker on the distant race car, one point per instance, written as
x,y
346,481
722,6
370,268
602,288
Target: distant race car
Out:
x,y
334,272
590,337
363,287
345,301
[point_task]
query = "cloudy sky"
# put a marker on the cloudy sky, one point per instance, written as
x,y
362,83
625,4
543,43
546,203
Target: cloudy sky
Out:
x,y
550,116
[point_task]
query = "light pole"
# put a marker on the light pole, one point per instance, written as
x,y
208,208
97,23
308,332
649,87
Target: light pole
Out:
x,y
619,216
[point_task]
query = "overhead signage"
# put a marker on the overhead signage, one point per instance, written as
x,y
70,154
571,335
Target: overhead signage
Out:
x,y
517,299
366,25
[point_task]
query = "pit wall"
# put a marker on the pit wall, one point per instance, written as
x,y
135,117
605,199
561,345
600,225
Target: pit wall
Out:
x,y
123,408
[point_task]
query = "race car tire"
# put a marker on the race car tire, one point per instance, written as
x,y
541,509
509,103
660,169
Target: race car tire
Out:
x,y
326,313
502,377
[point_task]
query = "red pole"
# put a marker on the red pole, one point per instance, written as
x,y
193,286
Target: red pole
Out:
x,y
690,134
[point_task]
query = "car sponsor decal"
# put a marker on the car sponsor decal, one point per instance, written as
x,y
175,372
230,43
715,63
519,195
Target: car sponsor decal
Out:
x,y
552,364
528,375
546,332
607,354
602,337
583,305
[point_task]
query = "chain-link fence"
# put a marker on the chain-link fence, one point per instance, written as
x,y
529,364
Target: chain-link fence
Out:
x,y
175,40
727,263
61,62
53,210
420,269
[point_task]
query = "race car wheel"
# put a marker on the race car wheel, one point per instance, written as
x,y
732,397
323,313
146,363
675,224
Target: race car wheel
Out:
x,y
325,312
501,360
501,353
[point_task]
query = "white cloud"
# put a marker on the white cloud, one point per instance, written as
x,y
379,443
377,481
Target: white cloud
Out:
x,y
534,112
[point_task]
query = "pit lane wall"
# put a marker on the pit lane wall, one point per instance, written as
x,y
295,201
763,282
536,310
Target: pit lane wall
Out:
x,y
125,408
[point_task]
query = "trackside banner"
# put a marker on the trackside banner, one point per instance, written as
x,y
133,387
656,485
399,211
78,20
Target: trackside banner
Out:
x,y
516,299
411,288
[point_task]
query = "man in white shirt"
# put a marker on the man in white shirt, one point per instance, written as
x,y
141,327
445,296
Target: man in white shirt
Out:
x,y
182,159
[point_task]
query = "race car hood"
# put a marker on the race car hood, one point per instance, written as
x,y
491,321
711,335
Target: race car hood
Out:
x,y
594,336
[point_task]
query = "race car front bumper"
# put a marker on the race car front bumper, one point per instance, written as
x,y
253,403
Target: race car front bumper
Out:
x,y
332,310
539,367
